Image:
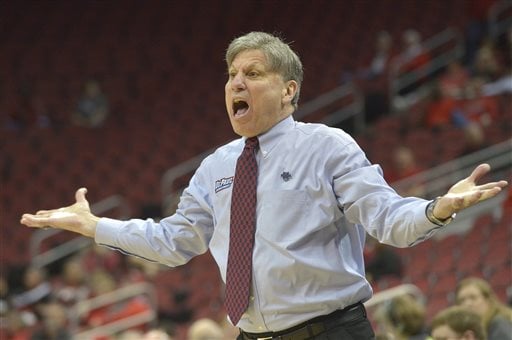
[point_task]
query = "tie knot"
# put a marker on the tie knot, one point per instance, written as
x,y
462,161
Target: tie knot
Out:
x,y
251,143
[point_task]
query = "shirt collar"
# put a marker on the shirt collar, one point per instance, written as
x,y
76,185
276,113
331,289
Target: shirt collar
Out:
x,y
269,139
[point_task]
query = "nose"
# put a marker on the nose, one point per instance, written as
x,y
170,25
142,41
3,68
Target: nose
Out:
x,y
238,82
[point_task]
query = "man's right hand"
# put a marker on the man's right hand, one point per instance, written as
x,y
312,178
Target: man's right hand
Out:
x,y
76,218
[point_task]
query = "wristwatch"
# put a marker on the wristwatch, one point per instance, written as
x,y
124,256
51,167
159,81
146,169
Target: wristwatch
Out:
x,y
432,218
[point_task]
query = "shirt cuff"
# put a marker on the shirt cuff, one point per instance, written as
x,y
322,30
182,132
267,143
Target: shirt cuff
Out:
x,y
107,230
425,228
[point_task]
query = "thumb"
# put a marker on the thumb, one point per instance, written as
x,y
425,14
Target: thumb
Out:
x,y
80,196
479,172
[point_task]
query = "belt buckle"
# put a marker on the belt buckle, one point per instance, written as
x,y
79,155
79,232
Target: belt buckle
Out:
x,y
267,338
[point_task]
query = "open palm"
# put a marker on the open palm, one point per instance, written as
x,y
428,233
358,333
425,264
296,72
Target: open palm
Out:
x,y
76,217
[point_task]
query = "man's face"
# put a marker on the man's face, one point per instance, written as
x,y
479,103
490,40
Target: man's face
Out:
x,y
256,98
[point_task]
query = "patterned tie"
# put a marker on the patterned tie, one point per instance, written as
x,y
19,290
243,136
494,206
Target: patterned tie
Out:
x,y
241,234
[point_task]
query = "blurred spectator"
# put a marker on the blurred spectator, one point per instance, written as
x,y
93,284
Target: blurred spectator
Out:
x,y
453,80
54,325
92,106
486,64
102,283
71,286
457,323
475,294
471,113
373,79
205,329
402,318
412,60
381,261
4,297
36,289
476,107
405,165
156,334
440,109
16,327
413,56
130,335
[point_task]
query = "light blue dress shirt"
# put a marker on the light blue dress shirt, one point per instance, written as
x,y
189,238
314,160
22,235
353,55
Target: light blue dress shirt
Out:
x,y
317,196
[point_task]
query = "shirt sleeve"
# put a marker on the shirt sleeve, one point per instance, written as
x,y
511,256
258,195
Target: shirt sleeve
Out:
x,y
174,240
366,199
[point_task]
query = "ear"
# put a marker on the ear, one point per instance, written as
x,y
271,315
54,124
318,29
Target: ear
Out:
x,y
289,91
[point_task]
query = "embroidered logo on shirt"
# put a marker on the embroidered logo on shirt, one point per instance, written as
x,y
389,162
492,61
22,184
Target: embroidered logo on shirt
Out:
x,y
286,176
223,183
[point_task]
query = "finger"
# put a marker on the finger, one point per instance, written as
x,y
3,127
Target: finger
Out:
x,y
479,171
486,194
48,212
34,221
80,196
500,184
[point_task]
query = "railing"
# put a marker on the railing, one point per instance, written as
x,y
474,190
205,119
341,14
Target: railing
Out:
x,y
500,18
439,179
40,259
443,48
388,294
83,308
354,107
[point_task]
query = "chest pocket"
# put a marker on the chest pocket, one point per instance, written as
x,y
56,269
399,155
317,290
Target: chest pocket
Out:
x,y
283,215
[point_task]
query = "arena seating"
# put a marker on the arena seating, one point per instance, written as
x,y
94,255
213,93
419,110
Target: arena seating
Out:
x,y
161,65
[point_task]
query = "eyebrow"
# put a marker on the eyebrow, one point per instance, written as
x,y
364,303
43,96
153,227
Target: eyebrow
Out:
x,y
248,66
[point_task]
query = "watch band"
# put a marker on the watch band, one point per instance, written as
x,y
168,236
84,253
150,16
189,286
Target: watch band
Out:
x,y
429,211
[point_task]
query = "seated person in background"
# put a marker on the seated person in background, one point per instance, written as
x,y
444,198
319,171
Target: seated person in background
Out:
x,y
54,325
381,261
402,318
405,165
457,323
92,107
453,80
205,329
475,294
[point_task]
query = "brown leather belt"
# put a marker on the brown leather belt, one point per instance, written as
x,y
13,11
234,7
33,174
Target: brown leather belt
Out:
x,y
312,327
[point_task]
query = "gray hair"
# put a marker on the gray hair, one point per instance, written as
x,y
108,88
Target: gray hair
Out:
x,y
282,59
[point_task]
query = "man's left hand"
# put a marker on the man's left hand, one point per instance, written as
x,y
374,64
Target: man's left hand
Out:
x,y
466,193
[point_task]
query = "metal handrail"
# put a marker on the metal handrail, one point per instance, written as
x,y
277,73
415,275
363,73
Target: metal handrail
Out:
x,y
82,308
398,81
390,293
441,177
496,24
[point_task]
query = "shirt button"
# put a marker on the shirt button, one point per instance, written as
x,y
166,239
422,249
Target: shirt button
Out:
x,y
252,298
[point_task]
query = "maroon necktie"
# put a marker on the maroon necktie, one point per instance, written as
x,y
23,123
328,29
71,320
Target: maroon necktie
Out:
x,y
241,232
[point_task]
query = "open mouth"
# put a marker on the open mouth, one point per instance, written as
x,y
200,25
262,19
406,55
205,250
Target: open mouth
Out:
x,y
240,107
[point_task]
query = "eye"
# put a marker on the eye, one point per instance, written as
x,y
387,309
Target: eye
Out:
x,y
252,74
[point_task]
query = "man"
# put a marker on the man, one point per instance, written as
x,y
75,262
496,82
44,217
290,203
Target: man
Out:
x,y
316,197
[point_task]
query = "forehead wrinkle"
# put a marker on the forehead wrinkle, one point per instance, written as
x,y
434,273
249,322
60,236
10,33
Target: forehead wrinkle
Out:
x,y
251,64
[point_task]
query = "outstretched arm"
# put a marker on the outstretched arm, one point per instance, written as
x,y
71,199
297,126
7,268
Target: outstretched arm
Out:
x,y
76,217
466,193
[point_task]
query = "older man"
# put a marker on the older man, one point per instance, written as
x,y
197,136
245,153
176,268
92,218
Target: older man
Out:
x,y
284,209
